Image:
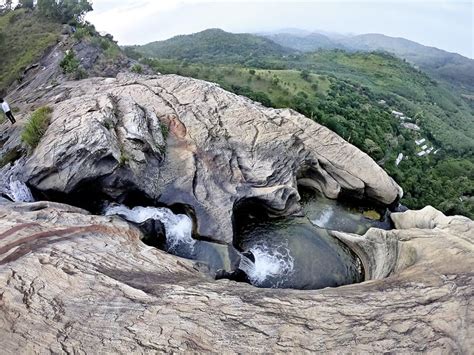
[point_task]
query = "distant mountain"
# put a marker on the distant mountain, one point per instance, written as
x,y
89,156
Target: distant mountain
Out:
x,y
304,43
213,44
444,65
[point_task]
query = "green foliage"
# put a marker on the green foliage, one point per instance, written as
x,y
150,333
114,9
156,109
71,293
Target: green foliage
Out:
x,y
211,45
132,53
165,130
110,48
81,33
69,64
25,36
137,68
36,127
66,11
10,157
305,75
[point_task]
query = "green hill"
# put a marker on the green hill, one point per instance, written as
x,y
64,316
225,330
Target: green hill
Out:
x,y
211,45
24,38
443,65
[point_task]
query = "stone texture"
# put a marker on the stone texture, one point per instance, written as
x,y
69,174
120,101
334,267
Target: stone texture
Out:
x,y
74,282
181,140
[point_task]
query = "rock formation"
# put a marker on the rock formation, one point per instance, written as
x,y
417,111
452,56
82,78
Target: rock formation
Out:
x,y
177,140
71,281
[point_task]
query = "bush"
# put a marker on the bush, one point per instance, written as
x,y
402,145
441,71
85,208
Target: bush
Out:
x,y
81,32
69,64
36,127
137,68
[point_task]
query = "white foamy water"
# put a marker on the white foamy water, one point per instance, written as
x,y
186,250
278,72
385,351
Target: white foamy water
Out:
x,y
10,184
270,262
323,218
178,227
19,192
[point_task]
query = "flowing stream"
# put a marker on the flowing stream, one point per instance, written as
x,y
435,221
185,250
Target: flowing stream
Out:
x,y
179,240
293,252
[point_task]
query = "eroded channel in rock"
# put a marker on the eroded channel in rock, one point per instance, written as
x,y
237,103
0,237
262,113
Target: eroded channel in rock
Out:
x,y
292,252
298,252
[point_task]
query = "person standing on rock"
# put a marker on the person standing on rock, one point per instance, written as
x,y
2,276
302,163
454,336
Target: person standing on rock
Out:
x,y
6,109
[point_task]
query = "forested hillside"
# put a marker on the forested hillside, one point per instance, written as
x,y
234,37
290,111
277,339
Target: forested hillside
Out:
x,y
451,67
208,45
354,94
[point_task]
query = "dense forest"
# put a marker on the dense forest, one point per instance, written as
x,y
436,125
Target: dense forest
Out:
x,y
354,94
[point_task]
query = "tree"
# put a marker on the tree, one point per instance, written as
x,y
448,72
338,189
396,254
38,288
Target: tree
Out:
x,y
48,8
64,10
73,10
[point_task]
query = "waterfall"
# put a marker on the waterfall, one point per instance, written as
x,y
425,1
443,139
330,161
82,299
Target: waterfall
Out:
x,y
178,227
19,192
323,218
11,184
270,262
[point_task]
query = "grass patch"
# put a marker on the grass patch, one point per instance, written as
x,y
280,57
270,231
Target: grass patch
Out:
x,y
36,127
165,130
10,157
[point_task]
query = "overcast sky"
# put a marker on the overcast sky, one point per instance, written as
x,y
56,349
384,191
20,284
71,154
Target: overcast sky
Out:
x,y
446,24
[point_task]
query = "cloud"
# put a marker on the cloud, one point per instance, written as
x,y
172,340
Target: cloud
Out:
x,y
446,24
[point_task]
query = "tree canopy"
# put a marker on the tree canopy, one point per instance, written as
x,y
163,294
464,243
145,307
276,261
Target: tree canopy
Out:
x,y
66,11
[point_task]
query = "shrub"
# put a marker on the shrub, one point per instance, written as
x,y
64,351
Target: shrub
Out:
x,y
80,73
81,32
69,64
137,68
36,127
305,75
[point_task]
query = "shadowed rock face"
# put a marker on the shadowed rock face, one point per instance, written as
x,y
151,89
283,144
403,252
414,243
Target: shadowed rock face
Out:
x,y
178,140
70,281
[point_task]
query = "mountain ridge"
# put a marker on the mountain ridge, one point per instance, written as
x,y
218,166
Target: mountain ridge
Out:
x,y
449,66
212,42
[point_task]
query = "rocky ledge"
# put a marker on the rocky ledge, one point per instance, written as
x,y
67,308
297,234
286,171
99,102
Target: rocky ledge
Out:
x,y
71,281
176,140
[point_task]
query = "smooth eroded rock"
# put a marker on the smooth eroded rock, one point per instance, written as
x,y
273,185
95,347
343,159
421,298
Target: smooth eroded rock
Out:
x,y
71,281
178,140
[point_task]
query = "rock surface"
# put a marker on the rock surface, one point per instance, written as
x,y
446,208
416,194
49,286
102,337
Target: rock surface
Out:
x,y
182,141
74,282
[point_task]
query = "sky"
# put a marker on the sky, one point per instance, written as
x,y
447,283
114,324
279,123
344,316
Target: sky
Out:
x,y
446,24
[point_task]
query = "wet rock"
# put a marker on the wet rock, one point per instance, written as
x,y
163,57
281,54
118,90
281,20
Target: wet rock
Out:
x,y
71,281
154,233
